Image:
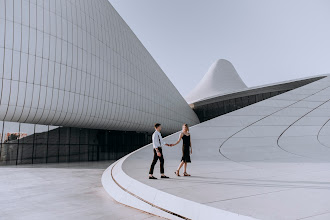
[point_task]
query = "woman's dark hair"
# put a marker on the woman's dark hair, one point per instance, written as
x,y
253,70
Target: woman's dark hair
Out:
x,y
157,125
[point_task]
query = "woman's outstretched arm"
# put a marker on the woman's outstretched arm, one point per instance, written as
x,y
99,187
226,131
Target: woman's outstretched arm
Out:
x,y
181,135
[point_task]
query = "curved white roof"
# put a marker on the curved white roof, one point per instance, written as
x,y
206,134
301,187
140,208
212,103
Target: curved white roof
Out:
x,y
264,149
221,78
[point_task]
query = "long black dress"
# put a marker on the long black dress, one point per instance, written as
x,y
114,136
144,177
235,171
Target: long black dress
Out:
x,y
186,149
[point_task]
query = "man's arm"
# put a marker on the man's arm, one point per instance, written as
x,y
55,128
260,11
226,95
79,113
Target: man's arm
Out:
x,y
162,142
159,144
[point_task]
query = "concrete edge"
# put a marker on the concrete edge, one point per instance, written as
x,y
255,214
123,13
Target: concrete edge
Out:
x,y
133,193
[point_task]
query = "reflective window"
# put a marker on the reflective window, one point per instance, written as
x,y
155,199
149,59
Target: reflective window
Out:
x,y
23,143
10,139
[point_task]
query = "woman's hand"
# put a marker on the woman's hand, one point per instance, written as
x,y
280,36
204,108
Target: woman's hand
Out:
x,y
190,151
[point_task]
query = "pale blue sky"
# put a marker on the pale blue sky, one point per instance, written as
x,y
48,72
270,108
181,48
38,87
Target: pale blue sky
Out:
x,y
267,41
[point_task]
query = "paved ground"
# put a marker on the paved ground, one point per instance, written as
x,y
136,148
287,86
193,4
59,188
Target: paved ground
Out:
x,y
270,160
59,191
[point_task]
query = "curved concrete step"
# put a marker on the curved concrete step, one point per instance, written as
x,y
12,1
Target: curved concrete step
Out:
x,y
269,160
133,193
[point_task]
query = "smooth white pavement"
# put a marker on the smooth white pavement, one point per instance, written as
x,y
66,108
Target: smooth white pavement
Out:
x,y
270,160
59,191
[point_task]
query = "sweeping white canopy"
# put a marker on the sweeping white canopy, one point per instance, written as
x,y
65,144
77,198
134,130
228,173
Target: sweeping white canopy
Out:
x,y
221,78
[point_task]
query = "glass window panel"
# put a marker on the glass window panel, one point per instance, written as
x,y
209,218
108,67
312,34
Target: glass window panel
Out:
x,y
41,143
92,137
74,152
83,152
252,99
54,135
64,153
83,137
53,153
64,136
245,101
27,133
92,152
259,97
11,136
40,153
74,136
267,95
41,134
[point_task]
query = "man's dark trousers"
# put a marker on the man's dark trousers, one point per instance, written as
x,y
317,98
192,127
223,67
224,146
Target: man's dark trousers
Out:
x,y
154,161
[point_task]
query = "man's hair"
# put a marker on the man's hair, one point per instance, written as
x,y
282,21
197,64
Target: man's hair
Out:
x,y
157,125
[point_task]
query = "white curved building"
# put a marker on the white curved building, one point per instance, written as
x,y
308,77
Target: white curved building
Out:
x,y
77,63
76,84
268,160
221,78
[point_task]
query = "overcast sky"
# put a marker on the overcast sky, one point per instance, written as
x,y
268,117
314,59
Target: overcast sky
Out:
x,y
267,41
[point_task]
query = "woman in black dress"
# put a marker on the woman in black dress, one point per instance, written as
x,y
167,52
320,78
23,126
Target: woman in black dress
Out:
x,y
186,149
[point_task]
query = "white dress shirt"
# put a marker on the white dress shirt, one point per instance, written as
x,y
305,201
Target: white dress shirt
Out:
x,y
157,140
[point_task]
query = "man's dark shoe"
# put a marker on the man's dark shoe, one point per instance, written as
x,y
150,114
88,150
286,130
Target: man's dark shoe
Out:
x,y
152,178
165,177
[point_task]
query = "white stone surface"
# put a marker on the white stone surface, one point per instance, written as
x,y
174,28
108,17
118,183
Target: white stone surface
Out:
x,y
128,191
221,78
60,191
272,164
77,63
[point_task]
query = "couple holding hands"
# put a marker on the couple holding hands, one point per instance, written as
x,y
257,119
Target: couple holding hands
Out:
x,y
158,143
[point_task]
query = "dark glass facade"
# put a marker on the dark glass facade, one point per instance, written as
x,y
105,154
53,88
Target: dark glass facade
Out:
x,y
212,110
23,143
217,106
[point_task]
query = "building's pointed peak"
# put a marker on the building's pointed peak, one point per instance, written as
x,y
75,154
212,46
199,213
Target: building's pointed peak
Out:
x,y
221,78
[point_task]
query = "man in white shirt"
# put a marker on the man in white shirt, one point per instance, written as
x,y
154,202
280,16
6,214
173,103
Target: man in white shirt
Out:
x,y
158,143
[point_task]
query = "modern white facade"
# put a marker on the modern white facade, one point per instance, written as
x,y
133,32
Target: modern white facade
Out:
x,y
268,160
220,79
78,64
